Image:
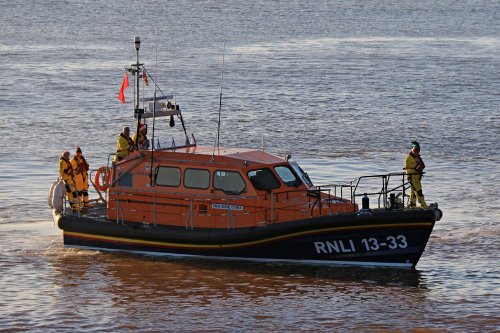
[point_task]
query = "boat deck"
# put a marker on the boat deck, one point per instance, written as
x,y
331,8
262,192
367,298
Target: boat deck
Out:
x,y
98,211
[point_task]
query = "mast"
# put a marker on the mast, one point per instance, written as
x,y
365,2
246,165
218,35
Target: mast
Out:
x,y
154,109
137,111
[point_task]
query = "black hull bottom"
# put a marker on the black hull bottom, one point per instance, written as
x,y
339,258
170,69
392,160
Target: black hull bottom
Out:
x,y
385,238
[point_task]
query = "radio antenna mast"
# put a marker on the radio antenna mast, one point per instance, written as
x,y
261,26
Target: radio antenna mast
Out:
x,y
217,138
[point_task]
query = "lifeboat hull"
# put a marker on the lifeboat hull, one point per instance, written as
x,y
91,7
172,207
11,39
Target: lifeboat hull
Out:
x,y
390,238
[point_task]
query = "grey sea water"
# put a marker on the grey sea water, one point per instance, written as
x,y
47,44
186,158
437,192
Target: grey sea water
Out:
x,y
343,86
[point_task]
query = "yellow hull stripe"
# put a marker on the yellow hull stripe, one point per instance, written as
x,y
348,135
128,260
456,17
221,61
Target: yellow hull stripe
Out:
x,y
218,246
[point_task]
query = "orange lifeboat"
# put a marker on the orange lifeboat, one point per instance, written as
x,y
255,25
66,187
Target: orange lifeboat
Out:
x,y
243,204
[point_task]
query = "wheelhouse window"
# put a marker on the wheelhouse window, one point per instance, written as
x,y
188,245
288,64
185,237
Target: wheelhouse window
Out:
x,y
263,179
168,176
124,179
301,173
287,176
229,182
197,178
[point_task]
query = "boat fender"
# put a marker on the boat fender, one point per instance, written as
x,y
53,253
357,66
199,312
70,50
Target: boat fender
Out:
x,y
56,195
103,174
51,194
438,213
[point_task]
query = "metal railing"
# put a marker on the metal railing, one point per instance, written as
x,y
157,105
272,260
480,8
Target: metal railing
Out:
x,y
387,194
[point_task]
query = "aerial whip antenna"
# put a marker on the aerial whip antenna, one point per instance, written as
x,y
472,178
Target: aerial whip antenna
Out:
x,y
217,139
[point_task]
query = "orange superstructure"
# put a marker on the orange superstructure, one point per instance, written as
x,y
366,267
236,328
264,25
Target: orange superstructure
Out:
x,y
195,187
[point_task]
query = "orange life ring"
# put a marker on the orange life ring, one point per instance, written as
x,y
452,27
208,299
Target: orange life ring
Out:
x,y
103,174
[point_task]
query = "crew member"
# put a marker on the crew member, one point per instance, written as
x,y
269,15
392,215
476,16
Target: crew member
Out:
x,y
143,142
124,145
415,166
81,168
67,174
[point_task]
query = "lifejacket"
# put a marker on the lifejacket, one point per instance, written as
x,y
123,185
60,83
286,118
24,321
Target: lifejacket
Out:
x,y
124,145
140,142
66,170
414,163
80,165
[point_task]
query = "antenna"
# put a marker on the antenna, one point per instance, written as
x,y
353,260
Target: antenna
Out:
x,y
156,46
152,140
217,143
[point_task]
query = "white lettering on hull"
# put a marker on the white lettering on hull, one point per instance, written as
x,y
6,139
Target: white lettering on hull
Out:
x,y
336,246
227,207
365,245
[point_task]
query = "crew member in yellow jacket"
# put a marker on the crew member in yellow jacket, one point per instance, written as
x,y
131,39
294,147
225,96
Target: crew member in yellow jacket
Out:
x,y
415,166
81,169
124,145
67,174
142,141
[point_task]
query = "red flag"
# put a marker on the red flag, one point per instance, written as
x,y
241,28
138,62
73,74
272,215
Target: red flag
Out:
x,y
145,77
121,94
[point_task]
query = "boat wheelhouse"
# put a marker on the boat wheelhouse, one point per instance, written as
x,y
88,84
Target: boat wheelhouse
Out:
x,y
196,188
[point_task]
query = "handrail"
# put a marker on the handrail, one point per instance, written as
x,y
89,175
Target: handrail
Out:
x,y
173,194
385,192
138,161
177,147
66,201
95,187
